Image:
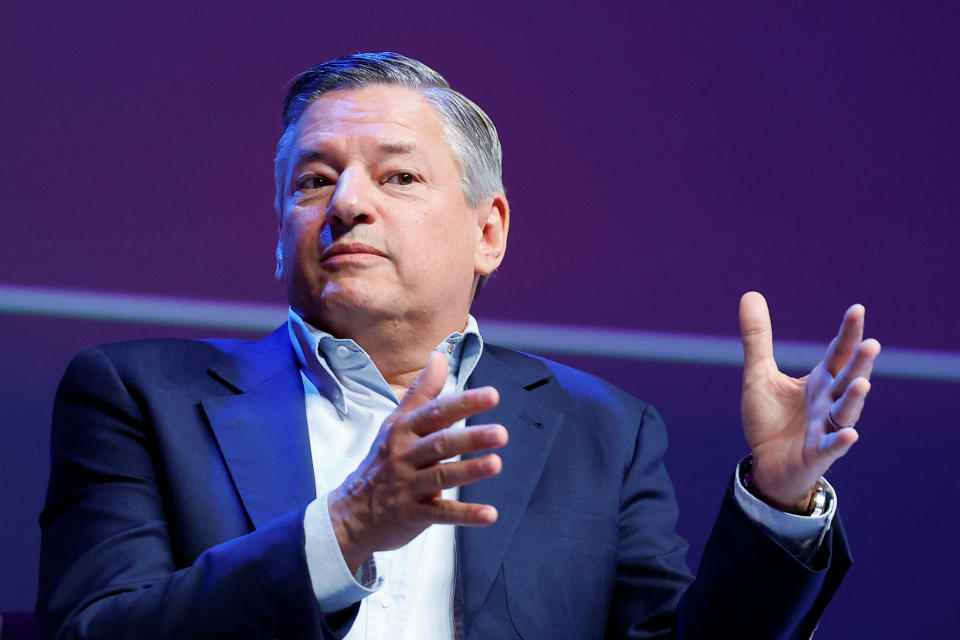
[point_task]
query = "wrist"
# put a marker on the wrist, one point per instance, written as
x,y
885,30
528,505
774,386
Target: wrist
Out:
x,y
346,533
811,502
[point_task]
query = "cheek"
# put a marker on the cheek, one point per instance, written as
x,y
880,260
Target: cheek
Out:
x,y
439,247
299,235
301,273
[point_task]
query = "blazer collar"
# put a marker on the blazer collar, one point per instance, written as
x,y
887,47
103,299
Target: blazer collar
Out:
x,y
252,363
532,406
262,427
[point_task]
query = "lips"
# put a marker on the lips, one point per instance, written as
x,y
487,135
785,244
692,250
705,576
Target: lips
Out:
x,y
350,248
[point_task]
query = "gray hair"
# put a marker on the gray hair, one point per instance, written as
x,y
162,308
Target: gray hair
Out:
x,y
469,131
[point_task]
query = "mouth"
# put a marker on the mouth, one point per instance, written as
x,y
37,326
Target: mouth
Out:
x,y
350,250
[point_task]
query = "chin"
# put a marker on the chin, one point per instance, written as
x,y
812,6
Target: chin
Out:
x,y
356,305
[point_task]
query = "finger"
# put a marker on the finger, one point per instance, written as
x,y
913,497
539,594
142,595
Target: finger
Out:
x,y
846,409
445,411
756,332
860,366
845,343
438,477
429,385
836,444
451,442
469,514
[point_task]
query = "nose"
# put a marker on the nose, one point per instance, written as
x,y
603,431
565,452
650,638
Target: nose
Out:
x,y
352,201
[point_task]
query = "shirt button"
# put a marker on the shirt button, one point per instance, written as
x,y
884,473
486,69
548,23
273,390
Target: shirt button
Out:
x,y
343,351
384,600
450,348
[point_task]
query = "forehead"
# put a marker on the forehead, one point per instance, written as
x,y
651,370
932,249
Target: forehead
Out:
x,y
375,112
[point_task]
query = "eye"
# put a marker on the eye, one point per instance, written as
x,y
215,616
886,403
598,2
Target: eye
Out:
x,y
402,178
307,183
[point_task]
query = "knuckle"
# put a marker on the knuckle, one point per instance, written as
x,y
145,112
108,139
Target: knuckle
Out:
x,y
391,502
389,448
442,474
472,402
391,424
440,445
435,512
478,438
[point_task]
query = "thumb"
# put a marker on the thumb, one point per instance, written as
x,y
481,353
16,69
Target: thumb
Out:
x,y
756,332
429,385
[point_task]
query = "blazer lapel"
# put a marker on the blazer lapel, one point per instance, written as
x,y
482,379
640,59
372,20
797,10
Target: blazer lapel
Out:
x,y
531,408
262,429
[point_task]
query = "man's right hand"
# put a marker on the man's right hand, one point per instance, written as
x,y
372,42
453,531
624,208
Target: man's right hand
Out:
x,y
395,493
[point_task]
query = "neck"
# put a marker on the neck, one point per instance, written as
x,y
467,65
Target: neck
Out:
x,y
399,349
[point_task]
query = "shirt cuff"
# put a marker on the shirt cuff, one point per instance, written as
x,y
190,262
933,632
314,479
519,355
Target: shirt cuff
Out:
x,y
333,584
801,535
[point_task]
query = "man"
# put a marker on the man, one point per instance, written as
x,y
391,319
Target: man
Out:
x,y
303,486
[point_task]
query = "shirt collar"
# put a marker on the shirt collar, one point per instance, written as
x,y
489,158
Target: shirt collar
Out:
x,y
337,366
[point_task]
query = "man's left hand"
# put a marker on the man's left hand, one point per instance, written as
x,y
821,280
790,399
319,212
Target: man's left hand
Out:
x,y
796,428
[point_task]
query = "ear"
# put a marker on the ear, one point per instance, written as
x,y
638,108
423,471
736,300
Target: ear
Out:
x,y
493,223
278,274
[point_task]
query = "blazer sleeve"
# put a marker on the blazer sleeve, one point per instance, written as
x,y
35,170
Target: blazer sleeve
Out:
x,y
108,569
747,586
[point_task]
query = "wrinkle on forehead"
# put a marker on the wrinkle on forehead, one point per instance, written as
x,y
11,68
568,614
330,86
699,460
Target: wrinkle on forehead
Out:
x,y
356,110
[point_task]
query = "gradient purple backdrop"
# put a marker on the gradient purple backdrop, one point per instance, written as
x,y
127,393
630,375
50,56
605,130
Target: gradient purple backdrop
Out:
x,y
660,159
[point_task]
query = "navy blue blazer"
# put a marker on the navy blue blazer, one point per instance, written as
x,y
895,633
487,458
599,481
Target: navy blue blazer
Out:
x,y
181,471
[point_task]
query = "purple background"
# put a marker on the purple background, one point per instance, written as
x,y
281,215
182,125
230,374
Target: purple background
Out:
x,y
659,159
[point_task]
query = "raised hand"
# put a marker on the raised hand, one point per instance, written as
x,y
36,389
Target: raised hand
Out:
x,y
395,493
796,428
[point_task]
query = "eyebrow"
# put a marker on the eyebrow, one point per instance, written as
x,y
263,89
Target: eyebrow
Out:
x,y
309,155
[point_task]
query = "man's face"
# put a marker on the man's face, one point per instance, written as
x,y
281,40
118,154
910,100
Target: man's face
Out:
x,y
375,225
